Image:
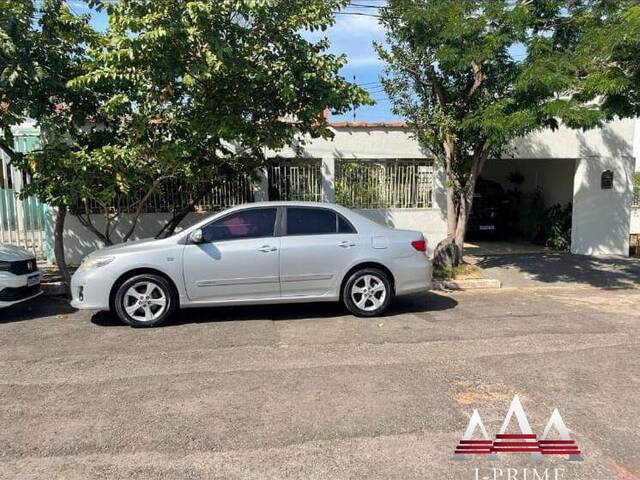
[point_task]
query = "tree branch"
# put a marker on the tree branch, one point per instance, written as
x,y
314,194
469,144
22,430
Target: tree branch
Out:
x,y
478,77
88,224
141,204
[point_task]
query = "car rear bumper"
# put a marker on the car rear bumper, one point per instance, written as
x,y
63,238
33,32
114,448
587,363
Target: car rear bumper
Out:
x,y
413,274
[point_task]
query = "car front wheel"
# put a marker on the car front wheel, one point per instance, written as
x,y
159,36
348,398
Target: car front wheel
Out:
x,y
367,292
145,301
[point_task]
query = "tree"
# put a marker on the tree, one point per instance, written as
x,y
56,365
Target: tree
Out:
x,y
209,85
41,48
609,52
172,91
472,75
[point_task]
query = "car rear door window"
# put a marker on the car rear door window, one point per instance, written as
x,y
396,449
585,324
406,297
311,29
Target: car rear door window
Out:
x,y
253,223
344,226
311,221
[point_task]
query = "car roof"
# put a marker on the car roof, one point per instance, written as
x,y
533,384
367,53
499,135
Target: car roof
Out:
x,y
295,203
361,222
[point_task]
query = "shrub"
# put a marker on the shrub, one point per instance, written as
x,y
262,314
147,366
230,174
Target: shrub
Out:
x,y
557,227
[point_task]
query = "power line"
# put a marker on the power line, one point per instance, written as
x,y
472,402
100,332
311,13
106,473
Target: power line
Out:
x,y
359,5
359,14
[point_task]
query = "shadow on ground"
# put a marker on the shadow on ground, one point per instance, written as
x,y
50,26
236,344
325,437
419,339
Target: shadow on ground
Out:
x,y
295,311
40,307
565,268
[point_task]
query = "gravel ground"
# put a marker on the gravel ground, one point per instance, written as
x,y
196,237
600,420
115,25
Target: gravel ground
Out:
x,y
308,392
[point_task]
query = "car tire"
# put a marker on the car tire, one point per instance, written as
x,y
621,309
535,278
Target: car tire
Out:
x,y
367,292
152,294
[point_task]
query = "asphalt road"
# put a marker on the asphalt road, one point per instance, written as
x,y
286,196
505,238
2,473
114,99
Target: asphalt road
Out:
x,y
308,392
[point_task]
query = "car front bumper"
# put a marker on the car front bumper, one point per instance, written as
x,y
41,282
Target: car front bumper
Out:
x,y
90,289
15,288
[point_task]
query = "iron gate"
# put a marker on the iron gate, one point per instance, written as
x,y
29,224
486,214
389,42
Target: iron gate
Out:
x,y
23,221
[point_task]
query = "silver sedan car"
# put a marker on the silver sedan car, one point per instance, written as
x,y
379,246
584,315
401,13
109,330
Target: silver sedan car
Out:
x,y
268,252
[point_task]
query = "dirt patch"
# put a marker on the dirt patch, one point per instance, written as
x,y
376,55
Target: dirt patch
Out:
x,y
483,394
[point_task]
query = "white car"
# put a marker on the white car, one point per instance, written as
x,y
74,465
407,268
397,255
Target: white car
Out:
x,y
19,275
267,252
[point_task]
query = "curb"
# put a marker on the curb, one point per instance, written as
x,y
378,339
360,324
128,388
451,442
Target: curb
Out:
x,y
468,284
54,289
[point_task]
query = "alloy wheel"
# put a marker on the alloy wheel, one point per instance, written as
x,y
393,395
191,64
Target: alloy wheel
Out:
x,y
145,301
368,292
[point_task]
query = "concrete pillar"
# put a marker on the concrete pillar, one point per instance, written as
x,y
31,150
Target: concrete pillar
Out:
x,y
261,186
328,171
601,216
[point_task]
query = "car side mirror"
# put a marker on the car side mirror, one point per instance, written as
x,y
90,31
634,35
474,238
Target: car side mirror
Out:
x,y
196,236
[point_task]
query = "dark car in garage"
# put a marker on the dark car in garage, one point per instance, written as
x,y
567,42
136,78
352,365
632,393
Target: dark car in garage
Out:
x,y
489,211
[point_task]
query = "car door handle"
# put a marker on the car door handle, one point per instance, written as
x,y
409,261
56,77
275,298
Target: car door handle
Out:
x,y
346,244
267,248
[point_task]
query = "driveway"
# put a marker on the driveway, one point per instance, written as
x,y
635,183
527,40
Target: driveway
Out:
x,y
561,270
308,392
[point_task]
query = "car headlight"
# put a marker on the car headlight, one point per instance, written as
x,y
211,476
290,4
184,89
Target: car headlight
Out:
x,y
96,262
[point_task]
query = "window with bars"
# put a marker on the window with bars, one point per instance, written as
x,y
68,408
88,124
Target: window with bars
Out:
x,y
384,183
297,179
636,190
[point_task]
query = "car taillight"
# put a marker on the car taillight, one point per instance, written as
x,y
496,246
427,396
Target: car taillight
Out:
x,y
419,245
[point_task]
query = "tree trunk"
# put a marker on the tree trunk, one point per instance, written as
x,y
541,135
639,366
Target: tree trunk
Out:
x,y
58,248
451,207
450,251
462,215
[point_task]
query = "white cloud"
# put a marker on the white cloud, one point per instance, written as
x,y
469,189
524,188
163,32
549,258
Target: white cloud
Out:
x,y
354,35
356,25
369,60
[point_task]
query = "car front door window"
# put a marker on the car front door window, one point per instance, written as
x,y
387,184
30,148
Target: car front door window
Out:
x,y
254,223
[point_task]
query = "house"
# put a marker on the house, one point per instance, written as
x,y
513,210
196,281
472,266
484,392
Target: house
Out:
x,y
565,166
380,170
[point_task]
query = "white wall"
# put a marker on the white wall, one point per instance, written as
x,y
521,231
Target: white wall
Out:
x,y
359,143
430,221
634,226
79,242
614,140
601,218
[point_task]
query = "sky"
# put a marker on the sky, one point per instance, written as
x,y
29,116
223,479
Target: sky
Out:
x,y
352,35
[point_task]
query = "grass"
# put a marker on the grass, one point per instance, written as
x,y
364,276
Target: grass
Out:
x,y
464,271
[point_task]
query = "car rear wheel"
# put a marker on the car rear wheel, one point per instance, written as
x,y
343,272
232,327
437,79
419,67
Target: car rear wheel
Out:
x,y
145,301
367,292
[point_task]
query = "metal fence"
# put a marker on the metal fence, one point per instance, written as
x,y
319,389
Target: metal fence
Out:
x,y
23,221
177,194
384,184
295,180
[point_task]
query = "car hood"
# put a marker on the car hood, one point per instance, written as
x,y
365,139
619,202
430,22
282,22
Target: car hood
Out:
x,y
11,253
128,247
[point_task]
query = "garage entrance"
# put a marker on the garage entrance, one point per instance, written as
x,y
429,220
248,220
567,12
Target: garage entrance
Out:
x,y
522,206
